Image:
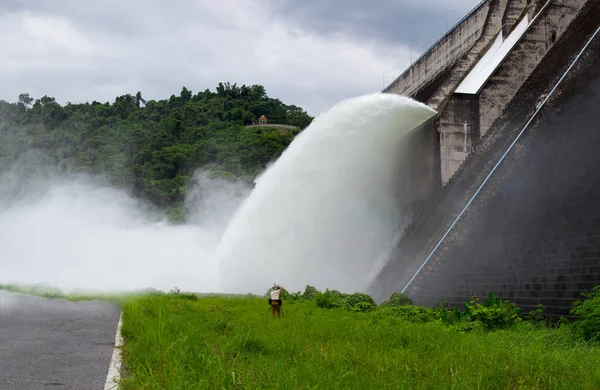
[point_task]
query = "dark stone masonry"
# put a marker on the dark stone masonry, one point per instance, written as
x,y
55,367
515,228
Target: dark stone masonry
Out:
x,y
533,233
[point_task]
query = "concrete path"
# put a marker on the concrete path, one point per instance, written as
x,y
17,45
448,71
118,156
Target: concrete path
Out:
x,y
55,344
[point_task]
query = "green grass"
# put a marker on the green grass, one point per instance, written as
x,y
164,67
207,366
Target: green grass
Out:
x,y
178,342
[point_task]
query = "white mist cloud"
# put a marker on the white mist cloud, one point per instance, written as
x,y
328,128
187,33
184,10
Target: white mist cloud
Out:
x,y
8,302
323,214
80,235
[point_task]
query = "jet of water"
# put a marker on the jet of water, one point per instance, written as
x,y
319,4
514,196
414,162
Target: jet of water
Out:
x,y
329,206
323,214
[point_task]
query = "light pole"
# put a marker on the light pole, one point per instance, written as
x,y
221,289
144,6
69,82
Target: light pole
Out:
x,y
447,12
383,79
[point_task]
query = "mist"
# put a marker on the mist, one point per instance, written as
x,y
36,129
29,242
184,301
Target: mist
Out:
x,y
77,233
326,213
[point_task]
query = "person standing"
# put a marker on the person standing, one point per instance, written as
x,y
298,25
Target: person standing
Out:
x,y
275,300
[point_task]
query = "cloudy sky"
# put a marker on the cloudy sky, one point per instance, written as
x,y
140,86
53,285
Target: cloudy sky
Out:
x,y
312,53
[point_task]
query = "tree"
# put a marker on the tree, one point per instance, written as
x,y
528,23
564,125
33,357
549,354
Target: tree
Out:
x,y
138,99
153,149
25,99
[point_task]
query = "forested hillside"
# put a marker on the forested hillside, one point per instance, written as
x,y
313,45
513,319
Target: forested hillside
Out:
x,y
152,147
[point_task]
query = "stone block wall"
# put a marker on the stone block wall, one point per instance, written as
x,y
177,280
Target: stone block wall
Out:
x,y
533,234
425,233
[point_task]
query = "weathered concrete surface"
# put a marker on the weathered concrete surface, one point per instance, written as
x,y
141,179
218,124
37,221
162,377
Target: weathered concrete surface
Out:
x,y
492,26
552,19
459,130
434,77
551,23
55,343
513,13
443,55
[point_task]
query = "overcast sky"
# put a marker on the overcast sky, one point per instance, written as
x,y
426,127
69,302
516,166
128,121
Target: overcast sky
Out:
x,y
312,53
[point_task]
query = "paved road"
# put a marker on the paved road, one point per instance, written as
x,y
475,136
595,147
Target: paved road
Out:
x,y
55,344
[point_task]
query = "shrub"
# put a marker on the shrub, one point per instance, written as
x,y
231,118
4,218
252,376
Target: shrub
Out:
x,y
398,299
357,298
495,313
355,302
536,316
310,293
330,299
587,312
283,294
360,302
297,296
362,307
177,293
416,314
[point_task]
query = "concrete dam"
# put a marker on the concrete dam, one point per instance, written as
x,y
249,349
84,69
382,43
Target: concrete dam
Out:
x,y
509,197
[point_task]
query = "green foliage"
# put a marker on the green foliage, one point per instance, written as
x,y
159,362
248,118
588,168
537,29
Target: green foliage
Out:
x,y
398,299
330,299
360,302
495,313
587,312
152,148
536,316
227,343
334,299
417,314
297,296
310,292
176,292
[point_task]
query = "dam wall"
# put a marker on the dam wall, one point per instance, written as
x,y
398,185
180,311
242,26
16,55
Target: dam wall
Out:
x,y
489,55
533,233
442,55
542,28
523,239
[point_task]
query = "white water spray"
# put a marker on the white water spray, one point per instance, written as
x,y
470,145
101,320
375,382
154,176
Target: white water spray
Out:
x,y
330,206
322,214
79,235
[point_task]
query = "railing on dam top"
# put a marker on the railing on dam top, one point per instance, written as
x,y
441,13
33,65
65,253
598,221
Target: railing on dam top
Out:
x,y
449,32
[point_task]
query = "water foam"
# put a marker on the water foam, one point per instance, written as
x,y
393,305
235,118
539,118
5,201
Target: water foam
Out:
x,y
328,207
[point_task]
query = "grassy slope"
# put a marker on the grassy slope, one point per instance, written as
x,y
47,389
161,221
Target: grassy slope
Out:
x,y
214,343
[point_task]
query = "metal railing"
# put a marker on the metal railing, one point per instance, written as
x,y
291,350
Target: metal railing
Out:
x,y
449,32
